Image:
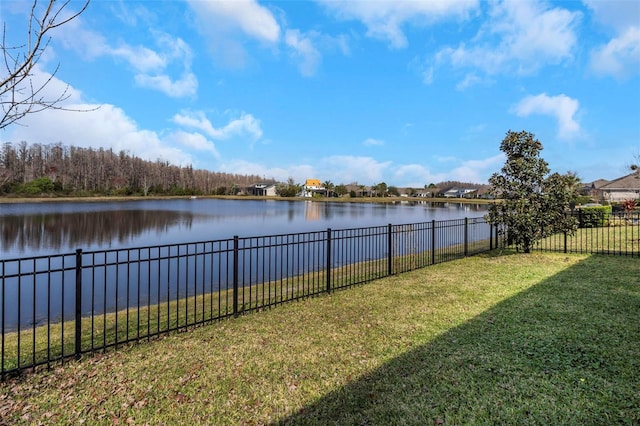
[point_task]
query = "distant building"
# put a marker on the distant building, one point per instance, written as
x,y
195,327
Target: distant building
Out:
x,y
592,189
262,190
312,186
460,193
624,188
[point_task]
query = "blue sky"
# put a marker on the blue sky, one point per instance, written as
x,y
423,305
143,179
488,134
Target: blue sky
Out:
x,y
405,92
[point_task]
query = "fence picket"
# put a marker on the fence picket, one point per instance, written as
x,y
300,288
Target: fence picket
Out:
x,y
173,287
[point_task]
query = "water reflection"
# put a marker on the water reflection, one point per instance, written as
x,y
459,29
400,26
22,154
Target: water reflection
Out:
x,y
172,263
40,229
31,233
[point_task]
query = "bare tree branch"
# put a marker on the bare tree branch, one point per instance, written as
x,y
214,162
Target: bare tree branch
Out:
x,y
19,96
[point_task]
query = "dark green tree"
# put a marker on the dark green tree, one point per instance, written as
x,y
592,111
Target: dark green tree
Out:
x,y
532,204
328,187
341,190
574,182
289,189
381,189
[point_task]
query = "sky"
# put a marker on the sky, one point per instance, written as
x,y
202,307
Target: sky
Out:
x,y
403,92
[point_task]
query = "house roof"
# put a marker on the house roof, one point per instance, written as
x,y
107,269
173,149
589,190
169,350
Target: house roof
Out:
x,y
313,182
597,184
630,181
262,185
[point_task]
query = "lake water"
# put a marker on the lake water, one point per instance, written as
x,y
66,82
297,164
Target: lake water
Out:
x,y
34,229
190,261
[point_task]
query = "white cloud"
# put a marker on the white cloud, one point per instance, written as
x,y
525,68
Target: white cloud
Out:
x,y
338,169
620,56
141,58
247,16
617,14
299,173
307,48
348,168
107,127
369,171
427,75
223,23
96,126
195,141
187,85
303,49
150,66
474,170
373,142
469,80
518,37
561,107
416,176
246,124
384,19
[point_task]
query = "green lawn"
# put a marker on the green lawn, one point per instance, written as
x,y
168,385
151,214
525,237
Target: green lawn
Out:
x,y
622,236
511,339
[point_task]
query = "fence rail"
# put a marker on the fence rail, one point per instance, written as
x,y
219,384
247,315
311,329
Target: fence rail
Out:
x,y
612,233
62,306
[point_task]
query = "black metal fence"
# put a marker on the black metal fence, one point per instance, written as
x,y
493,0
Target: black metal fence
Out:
x,y
612,233
61,306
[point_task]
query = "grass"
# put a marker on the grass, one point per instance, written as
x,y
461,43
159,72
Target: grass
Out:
x,y
513,339
44,343
620,236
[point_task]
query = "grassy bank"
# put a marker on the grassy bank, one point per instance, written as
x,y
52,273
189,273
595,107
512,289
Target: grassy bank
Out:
x,y
515,339
51,342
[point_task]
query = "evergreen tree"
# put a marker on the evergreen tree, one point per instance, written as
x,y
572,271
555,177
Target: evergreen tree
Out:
x,y
533,204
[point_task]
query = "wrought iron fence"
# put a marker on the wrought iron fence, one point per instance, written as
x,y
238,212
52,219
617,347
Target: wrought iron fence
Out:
x,y
56,307
607,233
61,306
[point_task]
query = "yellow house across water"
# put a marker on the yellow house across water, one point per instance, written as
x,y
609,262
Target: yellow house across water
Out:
x,y
311,186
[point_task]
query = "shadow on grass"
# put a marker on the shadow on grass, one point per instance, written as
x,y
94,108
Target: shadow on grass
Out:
x,y
566,351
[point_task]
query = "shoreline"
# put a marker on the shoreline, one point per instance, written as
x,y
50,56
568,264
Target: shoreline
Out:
x,y
374,200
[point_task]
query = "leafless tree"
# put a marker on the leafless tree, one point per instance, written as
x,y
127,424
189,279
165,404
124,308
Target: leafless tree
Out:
x,y
20,95
77,170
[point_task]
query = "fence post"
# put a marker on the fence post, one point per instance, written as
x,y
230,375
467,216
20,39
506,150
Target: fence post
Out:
x,y
328,265
565,241
389,250
235,275
433,242
490,236
466,236
78,313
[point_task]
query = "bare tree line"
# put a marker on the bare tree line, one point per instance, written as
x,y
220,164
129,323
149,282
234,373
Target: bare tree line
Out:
x,y
55,168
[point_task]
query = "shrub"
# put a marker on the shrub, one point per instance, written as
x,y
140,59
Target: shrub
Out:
x,y
628,205
42,185
593,217
583,199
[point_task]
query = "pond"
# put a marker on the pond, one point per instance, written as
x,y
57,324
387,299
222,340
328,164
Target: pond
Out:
x,y
34,229
152,251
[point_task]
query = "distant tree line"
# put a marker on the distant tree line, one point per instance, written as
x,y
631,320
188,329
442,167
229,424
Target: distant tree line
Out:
x,y
35,169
